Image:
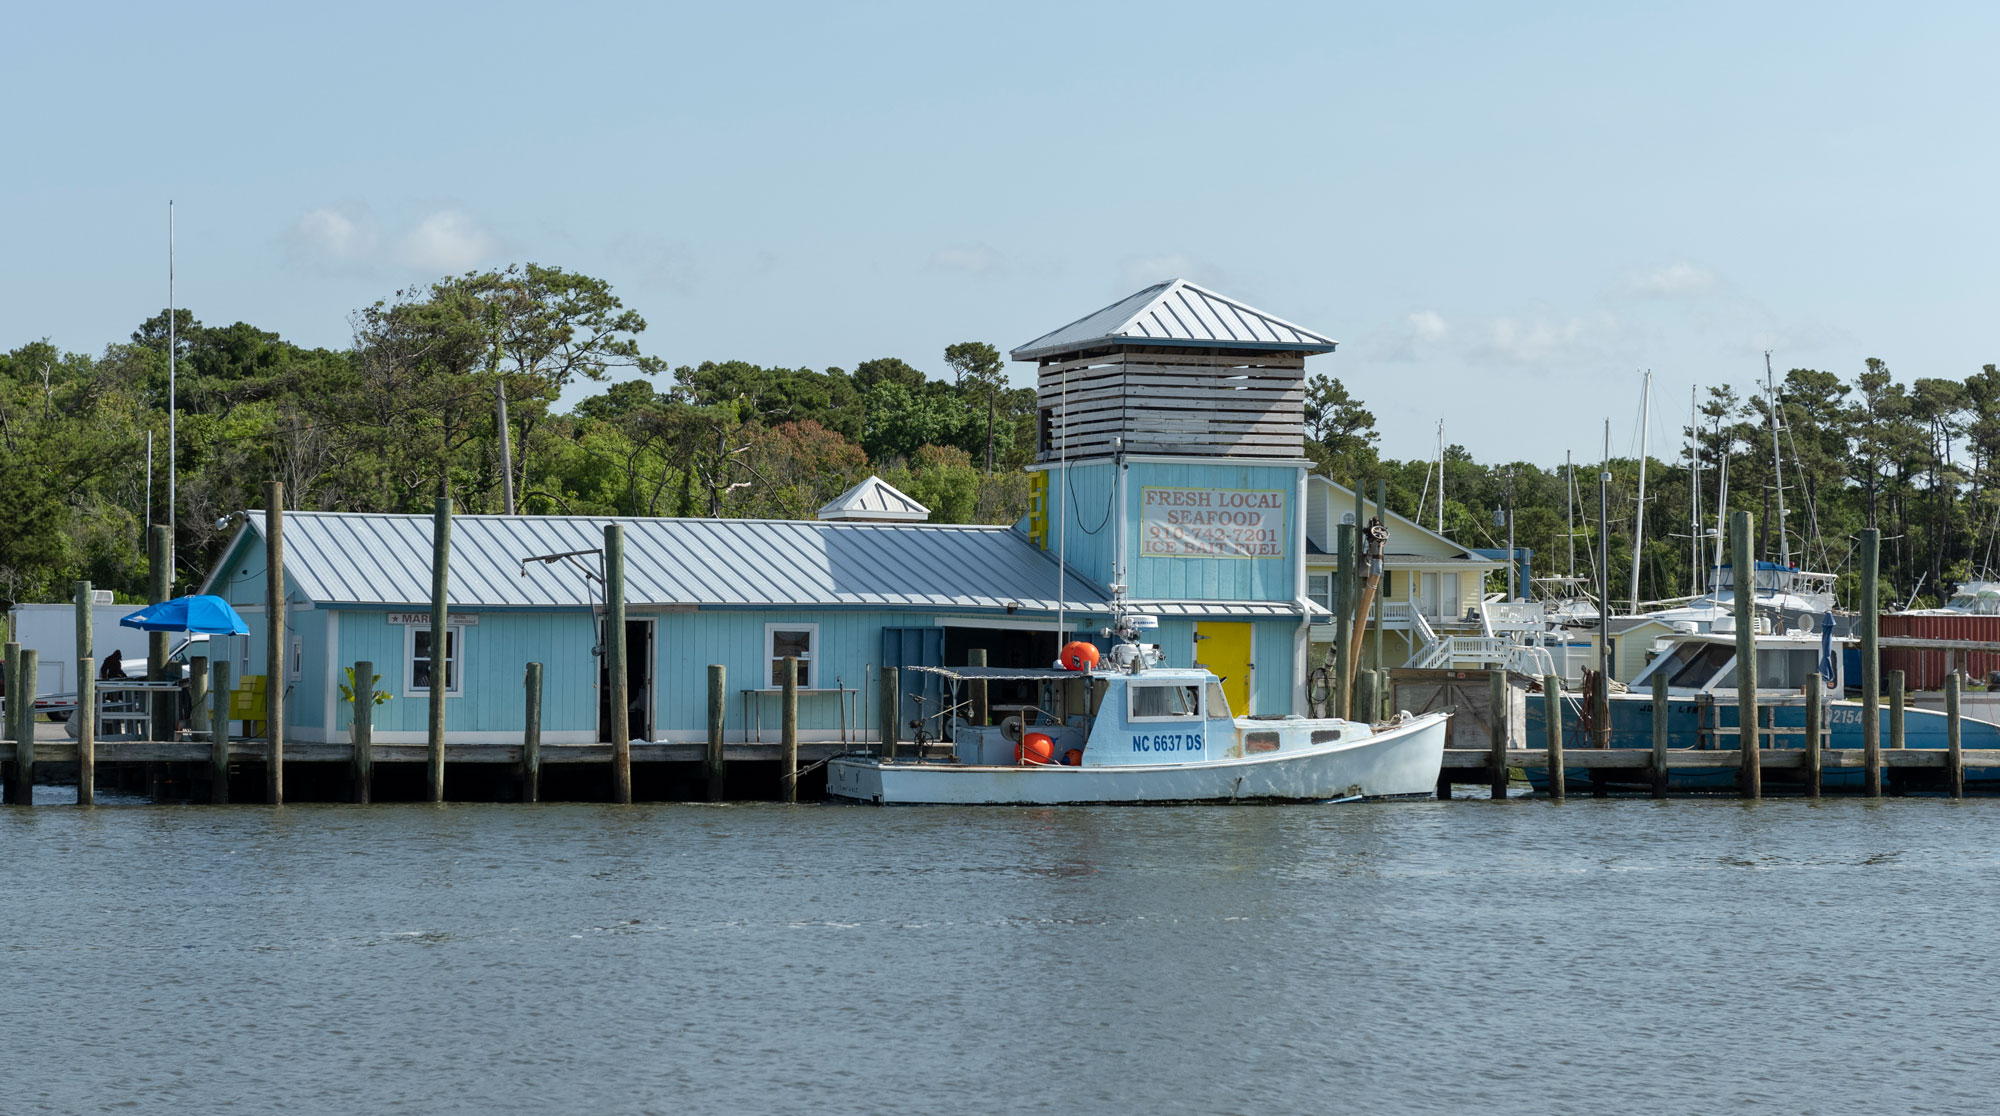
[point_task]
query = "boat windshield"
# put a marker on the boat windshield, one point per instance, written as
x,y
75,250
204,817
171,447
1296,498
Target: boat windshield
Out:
x,y
1669,664
1172,700
1218,703
1701,666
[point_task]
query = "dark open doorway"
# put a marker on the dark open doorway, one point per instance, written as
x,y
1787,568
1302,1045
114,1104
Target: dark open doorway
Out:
x,y
638,684
1005,647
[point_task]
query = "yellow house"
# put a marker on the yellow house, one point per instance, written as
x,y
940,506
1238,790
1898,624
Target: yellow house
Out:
x,y
1425,574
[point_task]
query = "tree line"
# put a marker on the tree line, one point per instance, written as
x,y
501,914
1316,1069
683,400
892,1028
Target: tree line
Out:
x,y
453,388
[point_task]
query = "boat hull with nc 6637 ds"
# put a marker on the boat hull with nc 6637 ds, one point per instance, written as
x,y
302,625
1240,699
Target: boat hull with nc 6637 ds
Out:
x,y
1140,734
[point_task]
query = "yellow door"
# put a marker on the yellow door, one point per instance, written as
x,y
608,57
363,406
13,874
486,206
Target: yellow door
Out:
x,y
1225,650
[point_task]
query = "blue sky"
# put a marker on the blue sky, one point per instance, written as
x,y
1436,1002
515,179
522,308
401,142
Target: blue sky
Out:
x,y
1503,211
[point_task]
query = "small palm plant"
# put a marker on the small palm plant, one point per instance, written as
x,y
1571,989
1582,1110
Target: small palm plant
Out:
x,y
348,689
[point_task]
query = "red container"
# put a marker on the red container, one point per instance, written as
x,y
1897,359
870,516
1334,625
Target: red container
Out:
x,y
1925,670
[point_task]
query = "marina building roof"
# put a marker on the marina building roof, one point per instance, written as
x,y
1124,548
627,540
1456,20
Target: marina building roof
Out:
x,y
1177,313
339,558
874,500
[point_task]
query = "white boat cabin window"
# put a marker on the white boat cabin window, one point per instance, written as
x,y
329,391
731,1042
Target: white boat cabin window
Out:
x,y
796,640
1218,703
1165,702
417,665
1787,669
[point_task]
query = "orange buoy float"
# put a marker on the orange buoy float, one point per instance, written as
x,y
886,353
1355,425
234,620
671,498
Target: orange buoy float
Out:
x,y
1078,655
1073,757
1035,747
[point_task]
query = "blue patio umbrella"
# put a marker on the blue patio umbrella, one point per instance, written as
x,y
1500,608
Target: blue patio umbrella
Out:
x,y
206,614
1826,648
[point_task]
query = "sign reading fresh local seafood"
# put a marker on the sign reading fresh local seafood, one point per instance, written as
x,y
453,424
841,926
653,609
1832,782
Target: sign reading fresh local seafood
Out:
x,y
1211,523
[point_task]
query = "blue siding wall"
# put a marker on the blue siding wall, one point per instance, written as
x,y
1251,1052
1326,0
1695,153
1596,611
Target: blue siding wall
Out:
x,y
1271,644
1196,579
494,657
1091,542
849,651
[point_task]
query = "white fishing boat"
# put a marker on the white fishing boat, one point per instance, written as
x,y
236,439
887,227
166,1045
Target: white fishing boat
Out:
x,y
1137,732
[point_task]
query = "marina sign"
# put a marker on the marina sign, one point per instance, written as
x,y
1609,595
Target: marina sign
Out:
x,y
1211,523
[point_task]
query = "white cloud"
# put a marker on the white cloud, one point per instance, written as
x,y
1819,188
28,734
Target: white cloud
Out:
x,y
1144,271
1537,341
973,259
1428,325
448,240
1676,280
331,236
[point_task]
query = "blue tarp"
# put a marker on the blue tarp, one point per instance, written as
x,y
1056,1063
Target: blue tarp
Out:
x,y
211,615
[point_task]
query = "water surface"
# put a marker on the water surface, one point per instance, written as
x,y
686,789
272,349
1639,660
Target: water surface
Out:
x,y
1685,956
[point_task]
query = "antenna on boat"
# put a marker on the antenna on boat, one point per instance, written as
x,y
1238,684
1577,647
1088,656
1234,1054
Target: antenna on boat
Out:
x,y
1639,523
1062,529
1569,510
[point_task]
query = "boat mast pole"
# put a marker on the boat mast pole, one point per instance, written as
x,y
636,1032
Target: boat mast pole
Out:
x,y
1777,465
1694,494
1721,517
1602,713
1440,476
172,401
1062,529
1569,511
1639,524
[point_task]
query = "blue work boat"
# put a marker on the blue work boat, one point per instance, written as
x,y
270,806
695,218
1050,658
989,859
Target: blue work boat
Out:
x,y
1700,669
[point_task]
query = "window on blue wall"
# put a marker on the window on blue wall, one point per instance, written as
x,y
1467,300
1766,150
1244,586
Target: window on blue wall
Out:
x,y
790,640
420,664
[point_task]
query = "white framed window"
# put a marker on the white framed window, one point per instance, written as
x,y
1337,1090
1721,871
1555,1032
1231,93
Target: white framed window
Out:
x,y
295,660
1319,587
799,640
1164,701
1218,702
418,664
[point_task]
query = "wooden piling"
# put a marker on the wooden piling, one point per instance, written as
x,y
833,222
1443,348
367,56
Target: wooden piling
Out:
x,y
1375,655
1661,711
218,737
1954,744
197,693
1343,615
1871,661
892,706
982,712
159,587
531,734
718,704
361,766
1750,776
440,680
24,728
1367,707
1552,725
614,662
1496,693
1896,704
1815,727
86,731
274,639
788,732
12,676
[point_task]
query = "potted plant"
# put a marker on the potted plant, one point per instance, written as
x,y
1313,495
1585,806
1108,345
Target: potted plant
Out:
x,y
348,690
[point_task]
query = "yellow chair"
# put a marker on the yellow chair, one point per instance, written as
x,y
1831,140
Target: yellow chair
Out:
x,y
248,703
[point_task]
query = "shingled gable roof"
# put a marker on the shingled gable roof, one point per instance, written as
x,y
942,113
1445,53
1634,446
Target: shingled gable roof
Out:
x,y
342,559
1181,313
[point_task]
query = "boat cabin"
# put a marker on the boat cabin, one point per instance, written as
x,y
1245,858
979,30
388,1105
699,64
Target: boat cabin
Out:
x,y
1107,718
1707,664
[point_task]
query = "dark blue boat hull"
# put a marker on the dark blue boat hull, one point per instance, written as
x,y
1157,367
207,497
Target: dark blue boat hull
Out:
x,y
1632,727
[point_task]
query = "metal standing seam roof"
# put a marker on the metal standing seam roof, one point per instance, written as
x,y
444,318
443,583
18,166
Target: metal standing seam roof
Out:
x,y
874,499
338,558
1177,312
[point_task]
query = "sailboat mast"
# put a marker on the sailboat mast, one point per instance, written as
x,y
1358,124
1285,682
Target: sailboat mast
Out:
x,y
172,408
1777,465
1569,510
1694,493
1721,517
1440,476
1639,523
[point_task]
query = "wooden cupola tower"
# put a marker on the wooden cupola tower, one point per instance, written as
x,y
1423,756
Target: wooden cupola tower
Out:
x,y
1175,369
